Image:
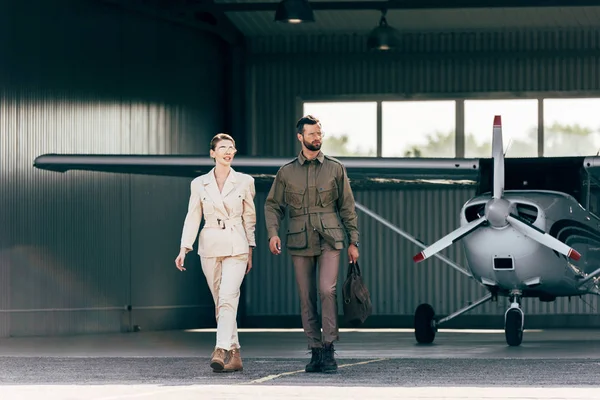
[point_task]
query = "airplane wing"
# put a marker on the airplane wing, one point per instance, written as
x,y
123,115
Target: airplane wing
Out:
x,y
366,170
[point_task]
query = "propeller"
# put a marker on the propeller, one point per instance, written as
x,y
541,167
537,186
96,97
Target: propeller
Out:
x,y
542,237
498,156
499,212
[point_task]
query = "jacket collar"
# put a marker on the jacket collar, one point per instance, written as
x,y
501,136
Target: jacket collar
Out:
x,y
302,159
211,187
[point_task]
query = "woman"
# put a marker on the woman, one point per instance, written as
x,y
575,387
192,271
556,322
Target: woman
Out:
x,y
226,200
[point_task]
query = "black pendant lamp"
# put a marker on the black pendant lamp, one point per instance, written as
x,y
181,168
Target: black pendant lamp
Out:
x,y
294,12
384,37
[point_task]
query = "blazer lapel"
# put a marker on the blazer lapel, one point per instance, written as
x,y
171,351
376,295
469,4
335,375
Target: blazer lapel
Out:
x,y
213,191
229,183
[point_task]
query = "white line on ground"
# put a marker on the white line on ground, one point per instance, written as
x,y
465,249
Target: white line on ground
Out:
x,y
268,392
160,391
271,377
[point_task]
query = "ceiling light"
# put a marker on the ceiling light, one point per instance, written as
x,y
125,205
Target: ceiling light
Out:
x,y
294,12
384,37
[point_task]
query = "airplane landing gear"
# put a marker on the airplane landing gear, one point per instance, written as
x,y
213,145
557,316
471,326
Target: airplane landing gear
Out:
x,y
426,324
514,321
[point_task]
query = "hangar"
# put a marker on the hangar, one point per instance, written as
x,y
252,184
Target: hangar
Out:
x,y
89,252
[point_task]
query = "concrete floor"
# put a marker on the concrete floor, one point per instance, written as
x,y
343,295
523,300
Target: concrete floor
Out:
x,y
557,364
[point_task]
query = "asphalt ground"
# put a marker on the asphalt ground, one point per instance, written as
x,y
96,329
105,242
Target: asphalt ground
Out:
x,y
558,364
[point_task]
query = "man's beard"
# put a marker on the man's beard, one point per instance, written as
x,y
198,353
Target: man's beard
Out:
x,y
312,147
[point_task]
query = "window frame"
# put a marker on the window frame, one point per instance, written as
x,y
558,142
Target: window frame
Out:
x,y
459,101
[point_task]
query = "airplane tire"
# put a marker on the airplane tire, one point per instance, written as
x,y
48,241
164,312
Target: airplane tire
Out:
x,y
513,328
424,329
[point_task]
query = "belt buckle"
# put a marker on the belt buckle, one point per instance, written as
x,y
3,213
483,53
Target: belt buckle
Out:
x,y
219,222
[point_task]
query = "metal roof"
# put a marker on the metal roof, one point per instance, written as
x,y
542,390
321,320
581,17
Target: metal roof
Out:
x,y
255,18
261,23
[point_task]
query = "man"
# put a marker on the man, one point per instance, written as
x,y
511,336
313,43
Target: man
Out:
x,y
316,191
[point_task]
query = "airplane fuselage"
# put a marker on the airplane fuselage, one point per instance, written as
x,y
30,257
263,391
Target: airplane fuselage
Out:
x,y
504,259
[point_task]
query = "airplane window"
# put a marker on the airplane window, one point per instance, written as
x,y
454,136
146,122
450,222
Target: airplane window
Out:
x,y
349,128
571,127
594,199
594,196
418,128
519,127
537,174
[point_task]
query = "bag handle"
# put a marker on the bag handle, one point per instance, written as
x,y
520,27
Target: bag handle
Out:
x,y
353,267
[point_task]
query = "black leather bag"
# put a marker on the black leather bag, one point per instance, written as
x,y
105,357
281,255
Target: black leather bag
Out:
x,y
356,297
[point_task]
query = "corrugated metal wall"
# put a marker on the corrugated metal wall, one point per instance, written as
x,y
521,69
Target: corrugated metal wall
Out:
x,y
83,77
284,70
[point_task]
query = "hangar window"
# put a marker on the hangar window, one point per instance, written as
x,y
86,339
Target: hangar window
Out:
x,y
349,128
450,127
519,127
418,128
571,127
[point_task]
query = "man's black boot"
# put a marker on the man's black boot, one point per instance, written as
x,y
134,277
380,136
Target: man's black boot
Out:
x,y
328,364
315,362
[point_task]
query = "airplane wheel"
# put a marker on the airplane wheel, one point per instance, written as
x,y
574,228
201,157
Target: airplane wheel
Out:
x,y
513,328
424,328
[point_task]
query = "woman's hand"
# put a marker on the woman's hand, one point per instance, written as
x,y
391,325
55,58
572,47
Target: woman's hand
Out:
x,y
249,267
179,260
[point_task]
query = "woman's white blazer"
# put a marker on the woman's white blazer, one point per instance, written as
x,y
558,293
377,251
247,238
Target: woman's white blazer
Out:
x,y
229,216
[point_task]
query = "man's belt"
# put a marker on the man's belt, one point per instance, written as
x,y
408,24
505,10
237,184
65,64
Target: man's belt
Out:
x,y
222,223
295,212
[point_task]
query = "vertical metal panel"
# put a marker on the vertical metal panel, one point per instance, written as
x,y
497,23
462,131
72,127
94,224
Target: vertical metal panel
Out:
x,y
284,70
84,77
7,185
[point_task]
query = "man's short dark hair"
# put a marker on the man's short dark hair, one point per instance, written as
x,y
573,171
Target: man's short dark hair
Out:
x,y
306,120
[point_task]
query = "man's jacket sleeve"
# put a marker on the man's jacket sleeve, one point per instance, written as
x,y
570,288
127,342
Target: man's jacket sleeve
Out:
x,y
346,207
275,206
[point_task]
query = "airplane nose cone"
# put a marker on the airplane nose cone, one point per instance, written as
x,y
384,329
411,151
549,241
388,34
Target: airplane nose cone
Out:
x,y
496,211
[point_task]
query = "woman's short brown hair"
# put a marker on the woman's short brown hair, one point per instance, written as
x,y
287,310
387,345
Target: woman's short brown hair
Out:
x,y
218,137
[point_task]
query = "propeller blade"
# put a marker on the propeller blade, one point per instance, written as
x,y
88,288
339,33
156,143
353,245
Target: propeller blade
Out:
x,y
542,237
498,156
449,239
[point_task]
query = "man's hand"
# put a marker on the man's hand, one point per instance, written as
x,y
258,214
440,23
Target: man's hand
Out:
x,y
352,253
249,267
275,245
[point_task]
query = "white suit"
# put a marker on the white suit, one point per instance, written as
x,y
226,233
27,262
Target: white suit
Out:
x,y
223,243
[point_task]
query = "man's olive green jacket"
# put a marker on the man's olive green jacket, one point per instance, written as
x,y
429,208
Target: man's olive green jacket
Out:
x,y
319,200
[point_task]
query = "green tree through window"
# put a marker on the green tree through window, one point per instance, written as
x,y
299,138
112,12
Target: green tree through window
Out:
x,y
338,146
560,140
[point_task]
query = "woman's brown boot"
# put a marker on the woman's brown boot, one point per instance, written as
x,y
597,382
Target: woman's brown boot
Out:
x,y
235,361
217,361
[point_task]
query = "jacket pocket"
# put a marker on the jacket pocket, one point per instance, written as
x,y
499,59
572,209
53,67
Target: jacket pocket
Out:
x,y
294,196
328,193
297,237
235,202
207,206
332,227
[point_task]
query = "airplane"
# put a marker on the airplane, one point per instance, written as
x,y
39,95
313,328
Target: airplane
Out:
x,y
528,231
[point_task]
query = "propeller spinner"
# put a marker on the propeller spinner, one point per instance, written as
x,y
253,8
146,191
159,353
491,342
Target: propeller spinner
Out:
x,y
499,212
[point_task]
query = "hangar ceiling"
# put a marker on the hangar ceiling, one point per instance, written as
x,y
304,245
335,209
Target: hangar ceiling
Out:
x,y
235,19
419,15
